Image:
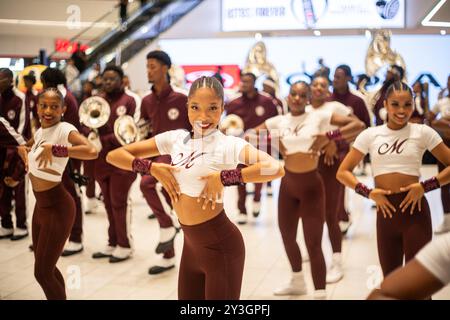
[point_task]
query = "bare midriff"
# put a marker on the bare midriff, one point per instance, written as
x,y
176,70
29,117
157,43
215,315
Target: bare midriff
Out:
x,y
40,185
300,162
394,181
190,212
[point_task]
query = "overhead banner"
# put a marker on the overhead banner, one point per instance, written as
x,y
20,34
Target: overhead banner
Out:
x,y
230,74
254,15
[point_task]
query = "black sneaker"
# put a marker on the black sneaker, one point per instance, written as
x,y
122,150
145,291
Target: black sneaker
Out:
x,y
165,246
159,269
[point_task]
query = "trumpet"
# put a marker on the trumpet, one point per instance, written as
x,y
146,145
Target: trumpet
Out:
x,y
128,131
94,113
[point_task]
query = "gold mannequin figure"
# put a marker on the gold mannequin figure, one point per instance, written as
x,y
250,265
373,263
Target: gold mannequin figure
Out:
x,y
258,65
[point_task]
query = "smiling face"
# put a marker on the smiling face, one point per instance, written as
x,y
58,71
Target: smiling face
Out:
x,y
298,98
319,89
204,110
399,107
50,109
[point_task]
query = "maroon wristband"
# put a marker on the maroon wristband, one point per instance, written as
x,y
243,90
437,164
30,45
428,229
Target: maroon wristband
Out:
x,y
363,190
141,166
430,184
334,134
60,151
231,177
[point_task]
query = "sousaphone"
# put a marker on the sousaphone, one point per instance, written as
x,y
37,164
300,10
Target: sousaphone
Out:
x,y
94,113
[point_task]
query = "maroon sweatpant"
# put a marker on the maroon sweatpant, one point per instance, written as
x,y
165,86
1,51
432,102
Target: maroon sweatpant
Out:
x,y
53,217
403,235
115,187
18,193
212,263
77,229
89,170
302,196
445,190
155,194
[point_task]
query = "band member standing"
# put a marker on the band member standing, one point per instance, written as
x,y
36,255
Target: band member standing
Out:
x,y
8,136
13,184
329,161
115,183
54,212
341,93
31,99
203,162
396,150
302,192
166,110
254,108
54,78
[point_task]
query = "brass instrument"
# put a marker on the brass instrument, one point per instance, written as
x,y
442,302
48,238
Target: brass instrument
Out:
x,y
94,113
232,125
127,131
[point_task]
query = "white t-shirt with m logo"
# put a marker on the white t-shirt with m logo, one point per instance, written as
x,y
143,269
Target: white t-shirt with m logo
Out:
x,y
398,151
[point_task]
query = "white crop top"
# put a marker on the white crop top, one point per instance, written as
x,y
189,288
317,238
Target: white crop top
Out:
x,y
398,151
331,107
296,132
435,257
199,157
57,134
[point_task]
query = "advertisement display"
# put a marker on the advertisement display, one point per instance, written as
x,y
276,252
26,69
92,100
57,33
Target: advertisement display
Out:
x,y
230,74
252,15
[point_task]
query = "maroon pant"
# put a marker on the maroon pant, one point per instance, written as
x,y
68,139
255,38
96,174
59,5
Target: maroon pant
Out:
x,y
242,192
445,190
115,187
155,195
212,263
77,229
20,202
89,170
302,196
334,198
53,217
403,235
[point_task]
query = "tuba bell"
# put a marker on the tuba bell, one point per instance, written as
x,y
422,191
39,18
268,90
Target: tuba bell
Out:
x,y
94,113
128,131
232,125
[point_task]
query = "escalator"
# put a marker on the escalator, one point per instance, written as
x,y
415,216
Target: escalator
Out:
x,y
143,25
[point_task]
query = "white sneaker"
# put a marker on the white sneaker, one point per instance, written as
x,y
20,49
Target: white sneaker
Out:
x,y
296,286
19,233
242,218
335,273
345,225
320,294
6,232
120,254
105,253
162,265
445,225
72,248
92,205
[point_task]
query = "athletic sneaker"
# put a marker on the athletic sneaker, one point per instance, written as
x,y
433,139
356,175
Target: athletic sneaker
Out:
x,y
166,239
6,232
72,248
162,265
19,234
242,218
445,225
92,206
335,273
296,286
345,225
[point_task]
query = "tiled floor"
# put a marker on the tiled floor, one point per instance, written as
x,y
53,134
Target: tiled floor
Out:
x,y
266,265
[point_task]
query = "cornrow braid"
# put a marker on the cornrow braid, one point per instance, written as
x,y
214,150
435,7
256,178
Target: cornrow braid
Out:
x,y
398,86
207,82
55,91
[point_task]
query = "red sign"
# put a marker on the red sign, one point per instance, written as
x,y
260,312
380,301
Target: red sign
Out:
x,y
63,45
230,74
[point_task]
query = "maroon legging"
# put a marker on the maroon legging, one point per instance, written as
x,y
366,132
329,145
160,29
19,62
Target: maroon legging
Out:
x,y
69,184
212,263
334,197
152,196
89,170
445,190
302,196
53,217
403,235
